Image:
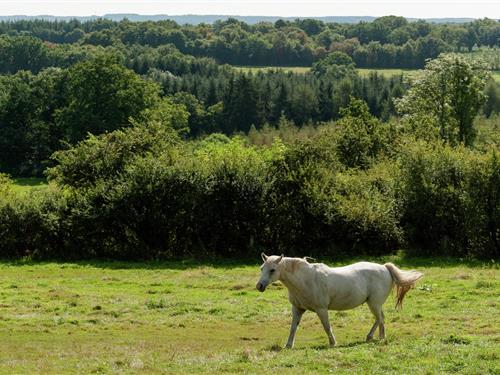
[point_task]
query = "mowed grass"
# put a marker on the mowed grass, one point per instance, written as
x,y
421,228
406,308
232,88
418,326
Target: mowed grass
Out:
x,y
256,69
206,318
303,69
387,73
27,184
496,75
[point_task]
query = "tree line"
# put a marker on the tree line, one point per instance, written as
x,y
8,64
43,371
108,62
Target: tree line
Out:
x,y
55,107
428,182
44,112
387,42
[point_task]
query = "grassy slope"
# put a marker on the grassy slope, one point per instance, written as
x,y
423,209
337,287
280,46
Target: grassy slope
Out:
x,y
178,318
26,184
363,72
496,75
255,69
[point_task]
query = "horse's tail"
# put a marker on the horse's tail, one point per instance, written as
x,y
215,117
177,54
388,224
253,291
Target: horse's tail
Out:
x,y
404,281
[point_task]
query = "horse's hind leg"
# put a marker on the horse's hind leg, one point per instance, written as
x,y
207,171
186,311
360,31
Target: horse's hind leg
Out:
x,y
323,316
379,321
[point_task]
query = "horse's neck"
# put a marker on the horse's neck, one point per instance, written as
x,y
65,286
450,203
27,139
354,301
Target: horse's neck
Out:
x,y
292,276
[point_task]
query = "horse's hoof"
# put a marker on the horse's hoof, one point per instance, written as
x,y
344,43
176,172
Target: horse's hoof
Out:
x,y
369,338
287,346
332,344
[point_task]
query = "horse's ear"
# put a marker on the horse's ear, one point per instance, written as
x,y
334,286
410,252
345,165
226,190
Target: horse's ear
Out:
x,y
263,256
280,258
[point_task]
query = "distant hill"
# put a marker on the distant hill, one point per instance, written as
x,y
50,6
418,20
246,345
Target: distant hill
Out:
x,y
196,19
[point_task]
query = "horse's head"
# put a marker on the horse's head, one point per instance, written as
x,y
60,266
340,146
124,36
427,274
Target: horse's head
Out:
x,y
270,271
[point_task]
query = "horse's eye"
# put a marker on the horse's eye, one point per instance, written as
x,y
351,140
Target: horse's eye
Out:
x,y
271,271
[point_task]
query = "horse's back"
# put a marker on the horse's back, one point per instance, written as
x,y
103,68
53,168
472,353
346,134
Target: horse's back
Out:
x,y
358,283
373,274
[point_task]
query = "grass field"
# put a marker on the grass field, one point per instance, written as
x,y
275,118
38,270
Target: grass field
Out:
x,y
302,69
362,72
384,72
190,317
496,75
256,69
26,184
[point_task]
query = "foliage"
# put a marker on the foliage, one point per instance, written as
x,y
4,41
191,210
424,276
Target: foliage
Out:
x,y
387,42
362,137
32,224
446,98
338,65
149,167
452,199
41,113
107,155
317,204
5,184
100,96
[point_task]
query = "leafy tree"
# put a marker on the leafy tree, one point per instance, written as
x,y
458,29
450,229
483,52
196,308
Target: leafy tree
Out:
x,y
362,137
492,104
105,156
337,65
101,96
28,135
445,98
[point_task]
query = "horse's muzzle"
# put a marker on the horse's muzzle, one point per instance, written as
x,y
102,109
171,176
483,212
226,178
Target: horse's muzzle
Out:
x,y
260,287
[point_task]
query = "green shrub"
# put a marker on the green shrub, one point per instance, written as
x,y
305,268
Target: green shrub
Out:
x,y
452,203
362,137
316,204
32,225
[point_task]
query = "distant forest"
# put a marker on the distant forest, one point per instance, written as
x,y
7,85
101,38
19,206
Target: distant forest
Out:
x,y
62,80
156,146
387,42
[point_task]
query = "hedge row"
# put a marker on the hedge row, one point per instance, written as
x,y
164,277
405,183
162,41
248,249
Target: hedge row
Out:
x,y
222,197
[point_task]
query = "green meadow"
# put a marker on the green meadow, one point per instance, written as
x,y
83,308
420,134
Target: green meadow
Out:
x,y
256,69
496,75
26,184
191,317
362,71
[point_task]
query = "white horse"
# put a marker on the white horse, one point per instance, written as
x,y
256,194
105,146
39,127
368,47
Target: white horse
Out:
x,y
319,288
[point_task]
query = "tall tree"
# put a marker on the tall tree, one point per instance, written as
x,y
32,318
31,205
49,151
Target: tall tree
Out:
x,y
240,105
101,96
446,97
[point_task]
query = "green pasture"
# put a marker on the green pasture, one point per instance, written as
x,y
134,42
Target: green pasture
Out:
x,y
362,71
26,184
256,69
189,317
387,73
496,75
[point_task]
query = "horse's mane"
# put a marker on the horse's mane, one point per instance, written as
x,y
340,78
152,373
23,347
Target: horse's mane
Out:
x,y
293,264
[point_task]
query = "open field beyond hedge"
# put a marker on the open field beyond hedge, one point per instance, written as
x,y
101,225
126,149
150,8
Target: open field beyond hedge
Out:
x,y
362,71
176,317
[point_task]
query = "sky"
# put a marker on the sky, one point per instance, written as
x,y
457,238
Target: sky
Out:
x,y
285,8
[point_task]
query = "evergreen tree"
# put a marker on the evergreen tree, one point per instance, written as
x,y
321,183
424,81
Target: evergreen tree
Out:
x,y
325,101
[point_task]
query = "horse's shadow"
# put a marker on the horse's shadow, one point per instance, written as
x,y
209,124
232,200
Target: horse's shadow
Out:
x,y
348,345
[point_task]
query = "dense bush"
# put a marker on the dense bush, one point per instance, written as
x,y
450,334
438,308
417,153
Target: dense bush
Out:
x,y
451,200
143,193
32,225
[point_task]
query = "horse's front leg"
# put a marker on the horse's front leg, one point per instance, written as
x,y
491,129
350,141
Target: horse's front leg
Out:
x,y
323,316
296,316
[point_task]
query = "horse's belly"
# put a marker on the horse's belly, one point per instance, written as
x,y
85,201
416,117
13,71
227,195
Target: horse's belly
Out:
x,y
304,303
346,302
345,305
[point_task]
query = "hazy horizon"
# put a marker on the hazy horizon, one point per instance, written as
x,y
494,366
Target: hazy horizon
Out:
x,y
260,8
